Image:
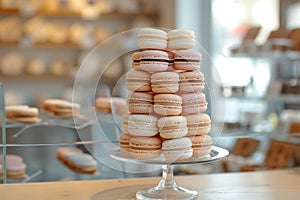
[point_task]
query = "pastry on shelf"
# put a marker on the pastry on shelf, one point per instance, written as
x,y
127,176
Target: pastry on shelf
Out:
x,y
15,166
12,64
77,161
61,108
36,67
60,67
10,30
58,33
22,113
37,30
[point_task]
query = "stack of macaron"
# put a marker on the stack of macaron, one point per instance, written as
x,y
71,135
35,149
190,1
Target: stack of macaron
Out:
x,y
166,102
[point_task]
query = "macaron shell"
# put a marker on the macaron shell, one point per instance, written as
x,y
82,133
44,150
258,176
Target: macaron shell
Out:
x,y
138,81
154,60
198,124
149,38
187,60
203,151
142,125
193,103
178,154
178,143
140,102
191,82
167,104
145,147
181,39
145,143
165,82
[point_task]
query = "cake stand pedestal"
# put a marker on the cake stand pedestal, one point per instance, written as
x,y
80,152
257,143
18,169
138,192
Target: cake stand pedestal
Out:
x,y
167,187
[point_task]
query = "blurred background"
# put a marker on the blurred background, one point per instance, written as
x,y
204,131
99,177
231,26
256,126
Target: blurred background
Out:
x,y
254,45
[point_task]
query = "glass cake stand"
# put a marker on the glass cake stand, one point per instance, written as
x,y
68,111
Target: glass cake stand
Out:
x,y
167,187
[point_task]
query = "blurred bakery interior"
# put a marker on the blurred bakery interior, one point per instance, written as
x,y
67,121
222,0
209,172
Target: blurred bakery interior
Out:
x,y
252,69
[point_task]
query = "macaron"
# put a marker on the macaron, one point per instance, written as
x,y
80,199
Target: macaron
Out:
x,y
167,104
22,113
136,59
111,104
172,127
181,39
62,152
187,60
82,163
144,147
154,60
165,82
142,125
61,108
138,81
191,81
49,103
124,142
198,124
201,144
125,122
177,149
193,103
140,102
15,167
150,38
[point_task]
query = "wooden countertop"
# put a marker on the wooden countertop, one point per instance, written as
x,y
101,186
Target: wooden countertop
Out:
x,y
267,185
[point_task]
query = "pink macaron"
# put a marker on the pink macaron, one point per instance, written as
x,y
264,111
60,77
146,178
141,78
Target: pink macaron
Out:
x,y
177,149
154,60
142,125
172,127
191,81
140,102
198,124
181,39
165,82
193,103
151,38
144,147
167,104
138,81
187,60
201,144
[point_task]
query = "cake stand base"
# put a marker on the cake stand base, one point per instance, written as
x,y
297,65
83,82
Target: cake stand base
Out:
x,y
167,188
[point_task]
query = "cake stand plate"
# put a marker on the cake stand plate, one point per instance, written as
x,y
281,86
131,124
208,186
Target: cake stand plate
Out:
x,y
167,187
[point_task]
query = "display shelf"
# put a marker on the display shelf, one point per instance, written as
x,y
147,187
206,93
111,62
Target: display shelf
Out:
x,y
272,55
77,15
28,77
